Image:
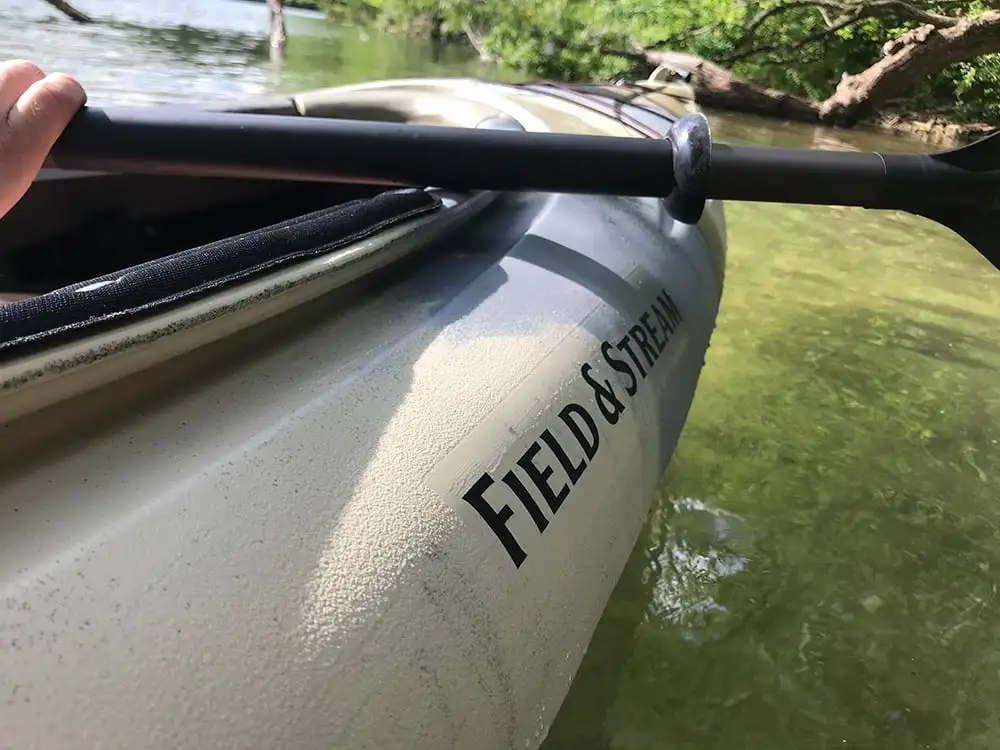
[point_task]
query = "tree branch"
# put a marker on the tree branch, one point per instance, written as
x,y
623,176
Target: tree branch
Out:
x,y
64,6
764,15
918,53
841,23
911,12
851,13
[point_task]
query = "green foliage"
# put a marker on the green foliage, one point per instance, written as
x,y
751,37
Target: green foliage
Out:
x,y
976,86
571,39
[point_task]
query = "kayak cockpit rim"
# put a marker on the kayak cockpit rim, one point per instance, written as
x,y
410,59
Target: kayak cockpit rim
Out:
x,y
81,336
118,262
111,264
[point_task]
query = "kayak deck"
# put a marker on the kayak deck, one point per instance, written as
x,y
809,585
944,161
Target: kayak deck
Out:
x,y
70,230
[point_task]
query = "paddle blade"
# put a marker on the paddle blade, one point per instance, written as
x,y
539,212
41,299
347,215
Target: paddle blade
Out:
x,y
979,227
981,156
977,222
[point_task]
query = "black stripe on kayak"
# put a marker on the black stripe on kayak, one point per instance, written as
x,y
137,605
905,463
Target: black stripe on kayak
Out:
x,y
147,288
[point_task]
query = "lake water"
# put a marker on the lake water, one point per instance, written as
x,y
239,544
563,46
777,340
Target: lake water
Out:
x,y
821,569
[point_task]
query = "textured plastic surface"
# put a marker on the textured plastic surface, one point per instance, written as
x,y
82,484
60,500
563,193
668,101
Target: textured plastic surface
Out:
x,y
283,537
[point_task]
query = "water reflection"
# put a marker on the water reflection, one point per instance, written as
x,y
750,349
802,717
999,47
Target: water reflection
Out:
x,y
699,550
670,590
190,45
759,131
851,600
158,51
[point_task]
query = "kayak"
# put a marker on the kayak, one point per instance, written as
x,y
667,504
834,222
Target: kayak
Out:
x,y
335,464
312,464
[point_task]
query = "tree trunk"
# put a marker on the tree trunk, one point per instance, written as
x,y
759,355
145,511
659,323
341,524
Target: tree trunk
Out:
x,y
437,30
69,10
917,54
912,57
478,41
279,36
714,86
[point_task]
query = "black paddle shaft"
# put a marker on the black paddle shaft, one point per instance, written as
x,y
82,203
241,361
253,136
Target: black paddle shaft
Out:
x,y
846,178
150,140
959,188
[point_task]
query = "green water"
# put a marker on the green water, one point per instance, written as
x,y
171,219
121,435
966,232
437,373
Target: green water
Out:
x,y
821,570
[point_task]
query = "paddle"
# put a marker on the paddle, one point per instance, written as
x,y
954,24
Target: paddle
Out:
x,y
959,189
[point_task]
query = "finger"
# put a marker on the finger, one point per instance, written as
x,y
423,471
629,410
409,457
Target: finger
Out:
x,y
44,110
15,78
33,124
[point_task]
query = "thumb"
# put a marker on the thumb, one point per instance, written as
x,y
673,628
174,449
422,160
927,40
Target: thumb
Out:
x,y
31,126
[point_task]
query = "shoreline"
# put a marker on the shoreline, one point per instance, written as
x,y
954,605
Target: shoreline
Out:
x,y
934,129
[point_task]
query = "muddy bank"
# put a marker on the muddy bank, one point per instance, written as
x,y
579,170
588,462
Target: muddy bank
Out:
x,y
936,130
717,88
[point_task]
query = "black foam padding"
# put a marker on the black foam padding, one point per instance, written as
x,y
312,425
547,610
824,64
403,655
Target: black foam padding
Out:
x,y
151,286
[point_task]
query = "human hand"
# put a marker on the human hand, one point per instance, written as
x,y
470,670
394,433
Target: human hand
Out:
x,y
34,111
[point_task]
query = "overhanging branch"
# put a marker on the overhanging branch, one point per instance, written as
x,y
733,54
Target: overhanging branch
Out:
x,y
849,13
77,15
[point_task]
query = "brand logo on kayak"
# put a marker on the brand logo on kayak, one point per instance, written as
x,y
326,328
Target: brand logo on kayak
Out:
x,y
532,485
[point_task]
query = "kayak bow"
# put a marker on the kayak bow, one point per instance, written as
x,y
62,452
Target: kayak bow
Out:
x,y
314,463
